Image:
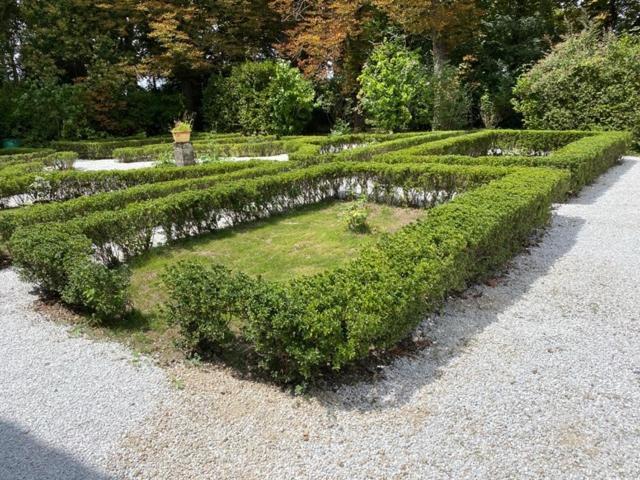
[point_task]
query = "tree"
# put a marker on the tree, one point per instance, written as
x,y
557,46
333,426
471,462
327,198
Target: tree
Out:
x,y
330,41
395,88
260,97
446,22
590,81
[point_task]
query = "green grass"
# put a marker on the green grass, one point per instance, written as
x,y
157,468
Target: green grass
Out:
x,y
304,242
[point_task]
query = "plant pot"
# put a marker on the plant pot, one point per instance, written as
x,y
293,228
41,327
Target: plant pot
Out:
x,y
181,137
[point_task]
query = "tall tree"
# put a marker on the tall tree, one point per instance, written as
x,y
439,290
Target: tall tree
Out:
x,y
446,22
330,41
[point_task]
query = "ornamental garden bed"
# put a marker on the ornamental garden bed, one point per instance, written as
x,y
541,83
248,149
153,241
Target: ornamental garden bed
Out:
x,y
305,298
300,243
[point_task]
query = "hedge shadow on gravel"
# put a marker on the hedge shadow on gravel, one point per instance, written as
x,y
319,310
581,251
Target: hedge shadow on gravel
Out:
x,y
392,382
22,456
591,193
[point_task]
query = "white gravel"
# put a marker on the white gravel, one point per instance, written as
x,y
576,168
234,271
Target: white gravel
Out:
x,y
65,401
537,377
109,164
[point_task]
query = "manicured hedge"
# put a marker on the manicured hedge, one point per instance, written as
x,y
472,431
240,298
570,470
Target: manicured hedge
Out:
x,y
324,322
71,184
369,148
122,233
587,156
327,321
62,211
25,157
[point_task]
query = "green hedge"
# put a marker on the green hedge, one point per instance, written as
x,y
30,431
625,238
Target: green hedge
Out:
x,y
66,185
25,157
327,321
129,231
301,328
587,156
17,151
104,148
62,211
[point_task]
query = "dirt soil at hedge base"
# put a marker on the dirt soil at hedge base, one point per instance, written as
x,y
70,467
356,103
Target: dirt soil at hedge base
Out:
x,y
536,375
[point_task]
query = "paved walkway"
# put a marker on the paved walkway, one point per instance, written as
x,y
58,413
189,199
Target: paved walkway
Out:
x,y
536,377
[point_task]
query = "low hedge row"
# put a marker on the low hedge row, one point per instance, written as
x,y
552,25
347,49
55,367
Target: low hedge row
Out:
x,y
586,158
362,149
62,211
48,186
324,322
300,148
207,148
524,142
17,151
103,148
25,157
41,254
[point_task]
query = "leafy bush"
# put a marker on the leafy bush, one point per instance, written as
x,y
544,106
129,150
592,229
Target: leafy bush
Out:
x,y
452,103
588,82
396,90
204,325
357,215
260,97
102,291
43,255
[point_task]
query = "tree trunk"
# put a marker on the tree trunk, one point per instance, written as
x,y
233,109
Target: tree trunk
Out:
x,y
439,51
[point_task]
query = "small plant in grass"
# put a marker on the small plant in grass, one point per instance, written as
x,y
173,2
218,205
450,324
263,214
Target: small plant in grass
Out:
x,y
356,215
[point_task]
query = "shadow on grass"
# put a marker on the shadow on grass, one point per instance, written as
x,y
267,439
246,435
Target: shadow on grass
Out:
x,y
24,457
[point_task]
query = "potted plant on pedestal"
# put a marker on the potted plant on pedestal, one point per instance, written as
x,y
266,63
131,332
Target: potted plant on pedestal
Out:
x,y
182,131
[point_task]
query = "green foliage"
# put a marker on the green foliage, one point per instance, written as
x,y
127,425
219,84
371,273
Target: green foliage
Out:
x,y
356,215
396,90
588,82
43,255
452,104
96,288
303,327
259,97
204,301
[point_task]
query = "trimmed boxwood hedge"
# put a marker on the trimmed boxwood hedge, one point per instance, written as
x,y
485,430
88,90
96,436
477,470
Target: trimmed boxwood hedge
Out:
x,y
71,184
329,320
62,211
585,154
122,233
324,322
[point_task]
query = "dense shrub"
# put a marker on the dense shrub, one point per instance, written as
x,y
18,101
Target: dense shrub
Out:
x,y
205,325
585,154
71,184
44,254
326,321
396,90
260,97
590,81
62,211
102,291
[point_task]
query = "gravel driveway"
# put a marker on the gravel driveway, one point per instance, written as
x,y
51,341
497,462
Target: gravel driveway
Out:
x,y
65,401
536,376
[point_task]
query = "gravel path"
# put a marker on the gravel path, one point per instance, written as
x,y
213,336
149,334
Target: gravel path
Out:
x,y
65,401
538,376
107,165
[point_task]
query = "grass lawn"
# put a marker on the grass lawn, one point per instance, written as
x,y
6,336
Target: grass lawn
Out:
x,y
303,242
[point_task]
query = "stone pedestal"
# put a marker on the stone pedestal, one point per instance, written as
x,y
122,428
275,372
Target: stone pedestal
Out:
x,y
184,154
